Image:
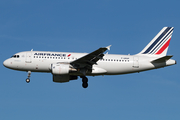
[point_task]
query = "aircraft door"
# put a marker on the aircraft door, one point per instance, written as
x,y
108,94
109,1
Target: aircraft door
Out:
x,y
136,62
28,57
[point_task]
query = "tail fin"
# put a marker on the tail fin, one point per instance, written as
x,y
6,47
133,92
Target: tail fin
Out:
x,y
160,43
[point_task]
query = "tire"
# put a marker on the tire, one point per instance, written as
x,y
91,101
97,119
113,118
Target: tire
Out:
x,y
27,80
84,79
85,85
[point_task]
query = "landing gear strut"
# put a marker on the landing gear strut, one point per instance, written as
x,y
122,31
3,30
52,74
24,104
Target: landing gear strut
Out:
x,y
29,75
85,82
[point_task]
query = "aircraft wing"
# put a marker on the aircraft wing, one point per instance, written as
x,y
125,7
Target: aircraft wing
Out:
x,y
88,60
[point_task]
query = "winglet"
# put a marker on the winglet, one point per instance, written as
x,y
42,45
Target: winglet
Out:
x,y
108,47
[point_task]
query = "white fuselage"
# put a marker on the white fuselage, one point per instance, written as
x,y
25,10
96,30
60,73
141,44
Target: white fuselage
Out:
x,y
66,66
111,64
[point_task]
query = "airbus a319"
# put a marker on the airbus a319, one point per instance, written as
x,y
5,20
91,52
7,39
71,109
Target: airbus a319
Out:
x,y
67,66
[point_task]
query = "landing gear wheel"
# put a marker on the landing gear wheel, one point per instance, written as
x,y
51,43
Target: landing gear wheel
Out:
x,y
85,82
84,79
29,75
85,85
27,80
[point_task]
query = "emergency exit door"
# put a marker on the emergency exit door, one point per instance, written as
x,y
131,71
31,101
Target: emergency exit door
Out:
x,y
28,57
136,62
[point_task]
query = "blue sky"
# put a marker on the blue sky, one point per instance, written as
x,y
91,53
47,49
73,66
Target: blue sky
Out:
x,y
84,26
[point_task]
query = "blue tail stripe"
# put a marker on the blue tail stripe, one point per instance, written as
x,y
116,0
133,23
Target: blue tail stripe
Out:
x,y
161,41
157,40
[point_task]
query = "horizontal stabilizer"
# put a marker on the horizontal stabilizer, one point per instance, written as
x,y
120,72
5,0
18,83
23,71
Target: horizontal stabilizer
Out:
x,y
162,59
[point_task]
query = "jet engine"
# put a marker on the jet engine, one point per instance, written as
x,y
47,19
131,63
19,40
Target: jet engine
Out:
x,y
60,69
63,78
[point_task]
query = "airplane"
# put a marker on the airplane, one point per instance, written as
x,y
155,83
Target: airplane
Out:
x,y
67,66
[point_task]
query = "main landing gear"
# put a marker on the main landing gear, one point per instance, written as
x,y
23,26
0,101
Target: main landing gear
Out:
x,y
29,75
84,82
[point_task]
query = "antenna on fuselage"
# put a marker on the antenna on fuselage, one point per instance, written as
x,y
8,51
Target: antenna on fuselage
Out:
x,y
31,49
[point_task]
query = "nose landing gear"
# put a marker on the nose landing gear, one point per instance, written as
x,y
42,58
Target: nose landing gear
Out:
x,y
29,75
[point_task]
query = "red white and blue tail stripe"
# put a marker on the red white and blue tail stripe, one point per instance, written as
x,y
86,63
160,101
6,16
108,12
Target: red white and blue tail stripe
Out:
x,y
160,43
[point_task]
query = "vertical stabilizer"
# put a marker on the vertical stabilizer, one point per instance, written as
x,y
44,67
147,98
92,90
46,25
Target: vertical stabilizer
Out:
x,y
160,43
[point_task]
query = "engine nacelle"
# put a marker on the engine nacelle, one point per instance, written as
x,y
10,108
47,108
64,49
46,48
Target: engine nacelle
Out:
x,y
63,78
60,69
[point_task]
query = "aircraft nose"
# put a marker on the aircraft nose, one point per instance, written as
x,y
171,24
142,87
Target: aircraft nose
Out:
x,y
6,63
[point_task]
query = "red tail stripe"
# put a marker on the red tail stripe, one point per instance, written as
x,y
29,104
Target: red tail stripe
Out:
x,y
164,47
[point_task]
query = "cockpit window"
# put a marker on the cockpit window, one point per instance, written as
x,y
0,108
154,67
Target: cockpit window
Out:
x,y
15,56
